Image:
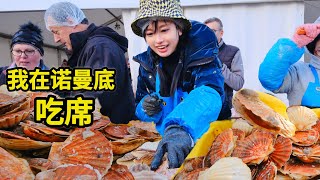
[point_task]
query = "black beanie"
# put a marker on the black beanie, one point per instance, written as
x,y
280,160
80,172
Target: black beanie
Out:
x,y
29,34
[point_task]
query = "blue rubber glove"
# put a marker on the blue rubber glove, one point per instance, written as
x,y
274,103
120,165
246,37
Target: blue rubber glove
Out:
x,y
277,62
177,142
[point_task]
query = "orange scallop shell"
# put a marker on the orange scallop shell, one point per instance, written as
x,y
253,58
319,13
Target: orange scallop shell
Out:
x,y
305,138
222,147
10,120
119,172
69,172
189,175
126,145
307,154
41,132
13,141
251,108
84,146
300,170
267,170
13,168
116,131
282,151
255,147
239,134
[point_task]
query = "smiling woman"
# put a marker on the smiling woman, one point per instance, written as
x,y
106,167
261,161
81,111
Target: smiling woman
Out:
x,y
26,48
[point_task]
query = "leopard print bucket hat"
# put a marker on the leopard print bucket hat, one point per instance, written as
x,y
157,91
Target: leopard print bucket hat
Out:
x,y
159,9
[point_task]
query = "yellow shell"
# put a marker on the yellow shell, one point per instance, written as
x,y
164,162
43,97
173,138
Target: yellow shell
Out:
x,y
302,117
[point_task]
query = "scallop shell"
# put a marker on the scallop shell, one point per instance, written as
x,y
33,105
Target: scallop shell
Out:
x,y
254,148
116,131
282,151
84,147
193,164
100,123
227,168
145,159
251,108
19,103
281,176
242,125
13,168
150,127
70,172
239,134
307,154
13,141
267,170
222,147
126,145
302,117
305,138
143,134
119,172
189,175
300,170
10,120
317,126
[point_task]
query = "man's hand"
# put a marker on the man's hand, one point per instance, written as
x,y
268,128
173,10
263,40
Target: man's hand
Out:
x,y
177,142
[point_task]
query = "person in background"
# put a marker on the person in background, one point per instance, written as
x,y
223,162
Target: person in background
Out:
x,y
95,47
232,66
282,72
180,85
27,50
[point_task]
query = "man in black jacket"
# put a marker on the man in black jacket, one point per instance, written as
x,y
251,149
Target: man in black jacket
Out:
x,y
94,47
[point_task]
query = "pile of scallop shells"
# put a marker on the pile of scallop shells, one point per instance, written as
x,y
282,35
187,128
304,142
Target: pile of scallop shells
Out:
x,y
269,145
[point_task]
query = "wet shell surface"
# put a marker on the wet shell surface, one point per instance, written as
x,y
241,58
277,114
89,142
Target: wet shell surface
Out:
x,y
222,147
302,117
254,148
69,172
251,108
227,168
14,168
282,151
118,172
84,146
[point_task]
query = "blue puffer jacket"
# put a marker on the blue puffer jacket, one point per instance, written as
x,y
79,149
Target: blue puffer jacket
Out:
x,y
201,77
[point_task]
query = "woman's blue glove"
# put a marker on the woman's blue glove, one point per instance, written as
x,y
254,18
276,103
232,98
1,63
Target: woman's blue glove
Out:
x,y
152,105
177,142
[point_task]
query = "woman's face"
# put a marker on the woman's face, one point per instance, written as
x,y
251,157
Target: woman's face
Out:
x,y
26,56
317,49
162,37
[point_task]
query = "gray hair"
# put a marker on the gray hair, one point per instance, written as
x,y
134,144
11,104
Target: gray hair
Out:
x,y
214,19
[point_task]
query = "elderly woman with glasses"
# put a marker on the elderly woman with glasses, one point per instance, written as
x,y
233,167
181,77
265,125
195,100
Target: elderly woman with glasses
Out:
x,y
281,72
27,50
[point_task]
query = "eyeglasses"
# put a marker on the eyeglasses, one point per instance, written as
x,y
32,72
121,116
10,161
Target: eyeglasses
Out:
x,y
26,52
